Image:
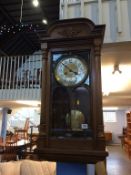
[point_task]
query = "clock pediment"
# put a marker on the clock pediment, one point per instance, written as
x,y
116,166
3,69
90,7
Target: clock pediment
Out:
x,y
74,29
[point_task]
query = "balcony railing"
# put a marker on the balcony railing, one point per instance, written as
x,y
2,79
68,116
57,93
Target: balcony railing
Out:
x,y
20,73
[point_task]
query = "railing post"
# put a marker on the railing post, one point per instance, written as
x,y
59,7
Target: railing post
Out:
x,y
100,11
82,8
119,16
66,9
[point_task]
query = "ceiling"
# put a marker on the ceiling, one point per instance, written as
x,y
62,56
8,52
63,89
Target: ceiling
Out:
x,y
21,25
118,85
17,104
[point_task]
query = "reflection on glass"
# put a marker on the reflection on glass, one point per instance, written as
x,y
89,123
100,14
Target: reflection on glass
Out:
x,y
71,115
71,112
75,120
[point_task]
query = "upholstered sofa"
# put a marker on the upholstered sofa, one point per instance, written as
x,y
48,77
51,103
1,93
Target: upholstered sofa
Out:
x,y
27,167
30,167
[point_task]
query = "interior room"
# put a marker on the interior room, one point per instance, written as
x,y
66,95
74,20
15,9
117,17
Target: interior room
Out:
x,y
23,24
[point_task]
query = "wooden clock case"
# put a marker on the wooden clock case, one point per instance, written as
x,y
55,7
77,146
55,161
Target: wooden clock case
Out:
x,y
72,36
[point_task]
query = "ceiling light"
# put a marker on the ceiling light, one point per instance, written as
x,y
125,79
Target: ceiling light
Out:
x,y
115,82
35,3
111,108
116,69
29,103
44,21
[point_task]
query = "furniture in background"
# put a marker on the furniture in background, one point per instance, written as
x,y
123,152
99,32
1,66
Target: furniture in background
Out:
x,y
13,149
121,137
127,135
33,137
22,133
18,145
32,167
108,136
27,167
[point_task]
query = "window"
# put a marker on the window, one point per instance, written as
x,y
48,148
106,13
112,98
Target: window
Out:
x,y
109,116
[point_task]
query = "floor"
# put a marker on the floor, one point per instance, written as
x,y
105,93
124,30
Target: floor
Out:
x,y
118,162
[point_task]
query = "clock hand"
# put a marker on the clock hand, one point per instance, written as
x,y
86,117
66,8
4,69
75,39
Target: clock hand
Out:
x,y
76,73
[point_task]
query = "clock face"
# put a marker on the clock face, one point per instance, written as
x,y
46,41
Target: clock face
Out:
x,y
71,71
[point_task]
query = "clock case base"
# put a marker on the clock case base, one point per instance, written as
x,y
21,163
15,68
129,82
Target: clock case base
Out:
x,y
81,150
72,156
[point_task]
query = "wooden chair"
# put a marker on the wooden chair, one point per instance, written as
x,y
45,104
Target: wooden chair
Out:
x,y
8,149
1,140
23,133
9,153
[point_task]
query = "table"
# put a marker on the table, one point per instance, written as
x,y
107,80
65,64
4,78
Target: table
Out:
x,y
108,136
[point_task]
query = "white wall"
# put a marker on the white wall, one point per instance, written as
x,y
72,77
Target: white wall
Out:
x,y
18,116
116,127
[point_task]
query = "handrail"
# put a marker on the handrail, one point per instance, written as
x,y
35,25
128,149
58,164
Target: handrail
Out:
x,y
18,72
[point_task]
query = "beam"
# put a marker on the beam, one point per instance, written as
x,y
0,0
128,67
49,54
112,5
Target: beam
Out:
x,y
26,38
6,15
3,53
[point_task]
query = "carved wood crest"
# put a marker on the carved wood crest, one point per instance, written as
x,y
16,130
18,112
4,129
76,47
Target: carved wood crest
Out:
x,y
70,32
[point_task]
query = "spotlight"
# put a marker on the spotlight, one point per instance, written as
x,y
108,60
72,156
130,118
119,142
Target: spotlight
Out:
x,y
35,3
44,21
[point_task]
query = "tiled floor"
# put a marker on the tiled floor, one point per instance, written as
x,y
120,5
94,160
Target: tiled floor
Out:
x,y
118,162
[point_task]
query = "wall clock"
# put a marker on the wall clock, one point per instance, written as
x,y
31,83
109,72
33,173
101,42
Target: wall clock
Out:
x,y
71,126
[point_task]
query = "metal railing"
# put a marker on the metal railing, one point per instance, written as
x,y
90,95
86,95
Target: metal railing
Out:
x,y
20,77
18,72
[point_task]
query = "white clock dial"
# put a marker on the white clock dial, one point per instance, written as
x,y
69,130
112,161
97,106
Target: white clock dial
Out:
x,y
71,71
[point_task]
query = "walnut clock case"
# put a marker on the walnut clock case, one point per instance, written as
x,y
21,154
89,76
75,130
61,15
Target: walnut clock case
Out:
x,y
71,126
